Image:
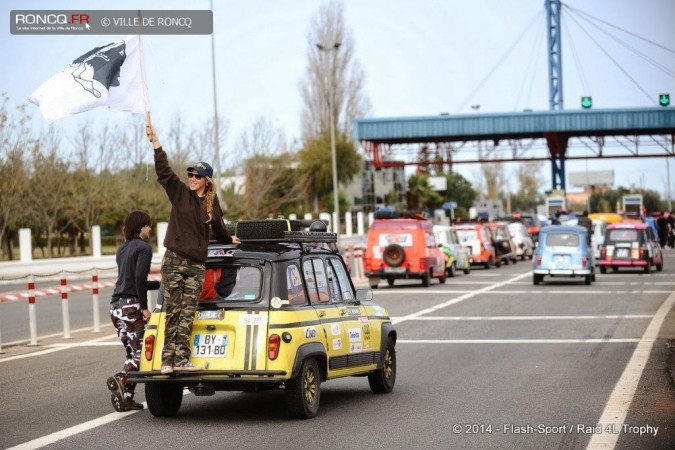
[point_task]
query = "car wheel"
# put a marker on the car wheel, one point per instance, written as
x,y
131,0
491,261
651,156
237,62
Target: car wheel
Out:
x,y
593,277
164,400
615,269
648,268
426,279
514,260
498,263
373,282
382,380
393,255
536,279
303,392
442,278
487,265
467,270
451,270
659,267
603,269
587,280
506,261
390,281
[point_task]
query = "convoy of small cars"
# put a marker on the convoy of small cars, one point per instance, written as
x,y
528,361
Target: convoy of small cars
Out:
x,y
403,248
457,256
478,239
522,240
563,251
630,245
282,313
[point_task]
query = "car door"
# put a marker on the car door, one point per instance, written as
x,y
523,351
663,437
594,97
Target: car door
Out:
x,y
361,337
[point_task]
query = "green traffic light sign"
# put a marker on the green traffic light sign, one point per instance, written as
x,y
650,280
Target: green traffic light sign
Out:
x,y
664,99
586,102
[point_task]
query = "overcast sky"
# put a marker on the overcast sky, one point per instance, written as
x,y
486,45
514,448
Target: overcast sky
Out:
x,y
421,57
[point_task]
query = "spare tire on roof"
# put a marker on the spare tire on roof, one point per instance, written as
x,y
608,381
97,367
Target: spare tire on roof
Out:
x,y
393,255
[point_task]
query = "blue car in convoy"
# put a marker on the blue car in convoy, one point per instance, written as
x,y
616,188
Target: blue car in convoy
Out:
x,y
563,251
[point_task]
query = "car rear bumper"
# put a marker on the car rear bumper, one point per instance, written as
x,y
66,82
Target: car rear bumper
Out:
x,y
623,263
569,272
219,376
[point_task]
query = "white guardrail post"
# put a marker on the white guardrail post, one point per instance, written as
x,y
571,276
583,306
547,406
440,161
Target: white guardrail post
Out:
x,y
64,306
32,318
94,300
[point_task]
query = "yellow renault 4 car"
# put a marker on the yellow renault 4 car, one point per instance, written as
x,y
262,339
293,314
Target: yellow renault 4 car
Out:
x,y
279,311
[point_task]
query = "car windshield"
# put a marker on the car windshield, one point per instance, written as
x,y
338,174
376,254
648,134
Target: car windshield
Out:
x,y
467,235
623,235
562,239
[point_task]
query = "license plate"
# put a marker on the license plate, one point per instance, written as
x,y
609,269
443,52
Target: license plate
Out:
x,y
622,253
562,260
210,345
394,269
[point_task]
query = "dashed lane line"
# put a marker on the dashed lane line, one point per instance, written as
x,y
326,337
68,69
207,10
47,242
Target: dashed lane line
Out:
x,y
487,318
517,341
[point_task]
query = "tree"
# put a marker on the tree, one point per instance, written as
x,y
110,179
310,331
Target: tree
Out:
x,y
16,139
316,163
528,196
420,194
460,191
333,71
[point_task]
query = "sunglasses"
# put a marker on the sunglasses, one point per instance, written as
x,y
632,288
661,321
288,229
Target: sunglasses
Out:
x,y
194,175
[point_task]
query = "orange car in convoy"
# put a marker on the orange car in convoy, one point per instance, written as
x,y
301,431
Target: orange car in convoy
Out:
x,y
478,239
403,248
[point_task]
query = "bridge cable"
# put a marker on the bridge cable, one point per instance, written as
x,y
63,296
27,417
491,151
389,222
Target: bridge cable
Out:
x,y
577,62
635,51
501,60
602,49
530,69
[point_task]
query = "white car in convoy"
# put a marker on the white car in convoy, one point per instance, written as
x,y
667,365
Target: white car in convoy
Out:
x,y
521,239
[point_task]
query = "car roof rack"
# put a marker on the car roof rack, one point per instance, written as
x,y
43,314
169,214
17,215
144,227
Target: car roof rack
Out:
x,y
282,230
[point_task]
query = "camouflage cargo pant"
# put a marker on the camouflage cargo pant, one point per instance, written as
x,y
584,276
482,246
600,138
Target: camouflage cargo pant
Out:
x,y
182,281
127,318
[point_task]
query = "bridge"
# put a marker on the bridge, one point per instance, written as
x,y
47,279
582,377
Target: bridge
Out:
x,y
556,136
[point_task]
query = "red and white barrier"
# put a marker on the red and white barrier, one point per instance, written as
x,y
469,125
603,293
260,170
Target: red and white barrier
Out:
x,y
32,317
357,269
64,306
94,300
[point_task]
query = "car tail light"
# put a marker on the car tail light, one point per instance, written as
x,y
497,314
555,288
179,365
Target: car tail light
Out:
x,y
149,347
423,264
538,260
603,253
273,344
584,260
643,253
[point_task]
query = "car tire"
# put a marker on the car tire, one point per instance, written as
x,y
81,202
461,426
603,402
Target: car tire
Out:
x,y
587,280
648,268
265,229
164,399
382,380
426,279
442,278
536,279
373,282
393,255
467,271
603,270
303,392
659,267
615,269
390,281
451,270
487,265
498,263
593,277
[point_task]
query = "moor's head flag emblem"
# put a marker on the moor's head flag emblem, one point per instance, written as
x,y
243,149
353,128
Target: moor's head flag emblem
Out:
x,y
111,75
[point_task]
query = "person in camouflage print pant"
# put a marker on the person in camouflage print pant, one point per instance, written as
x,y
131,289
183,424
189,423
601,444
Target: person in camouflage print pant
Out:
x,y
182,284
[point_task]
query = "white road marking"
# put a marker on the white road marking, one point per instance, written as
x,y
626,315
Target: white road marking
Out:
x,y
520,292
460,318
517,341
460,298
619,402
59,347
77,429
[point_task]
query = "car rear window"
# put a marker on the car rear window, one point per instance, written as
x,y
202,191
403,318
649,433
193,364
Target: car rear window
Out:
x,y
623,235
467,235
562,239
232,283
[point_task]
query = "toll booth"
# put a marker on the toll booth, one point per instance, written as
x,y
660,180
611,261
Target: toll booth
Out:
x,y
554,204
632,203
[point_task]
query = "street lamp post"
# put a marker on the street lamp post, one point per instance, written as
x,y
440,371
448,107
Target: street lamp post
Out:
x,y
331,90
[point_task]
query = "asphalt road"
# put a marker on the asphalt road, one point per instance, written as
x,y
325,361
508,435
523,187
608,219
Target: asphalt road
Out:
x,y
485,361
